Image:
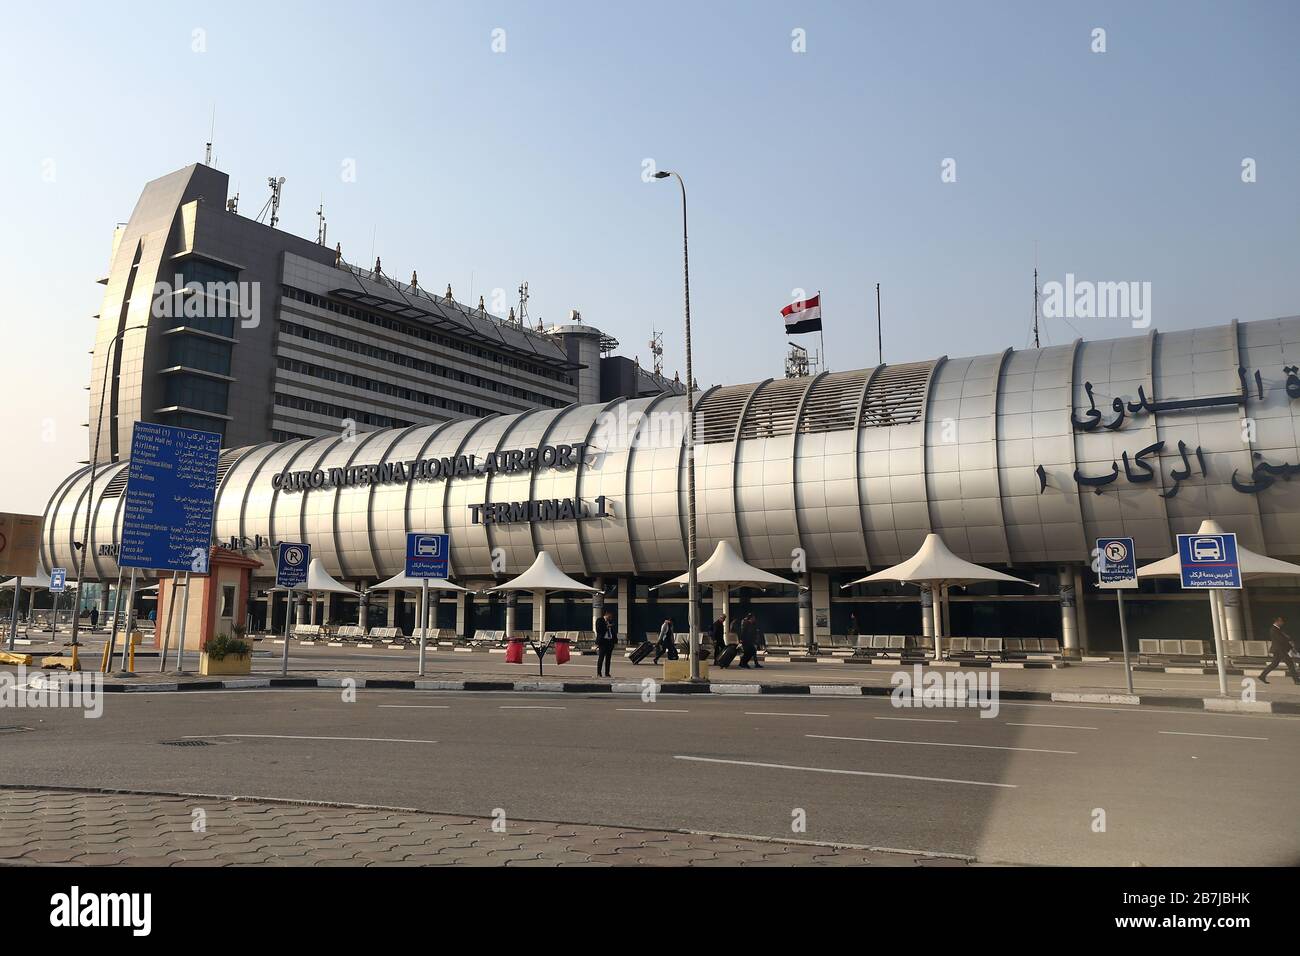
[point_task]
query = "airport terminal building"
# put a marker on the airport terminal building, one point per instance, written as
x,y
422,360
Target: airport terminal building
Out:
x,y
1019,459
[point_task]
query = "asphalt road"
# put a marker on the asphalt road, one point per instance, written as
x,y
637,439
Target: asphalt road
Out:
x,y
1176,787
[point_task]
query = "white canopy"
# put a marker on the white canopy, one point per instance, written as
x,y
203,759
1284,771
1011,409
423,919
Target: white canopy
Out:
x,y
1252,565
39,580
935,565
725,568
400,582
544,576
318,579
938,568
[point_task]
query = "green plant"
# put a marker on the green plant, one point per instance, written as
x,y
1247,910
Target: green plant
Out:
x,y
223,644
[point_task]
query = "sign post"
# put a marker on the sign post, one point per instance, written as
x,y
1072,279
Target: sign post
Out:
x,y
167,515
291,561
20,543
428,556
58,584
1209,562
1117,571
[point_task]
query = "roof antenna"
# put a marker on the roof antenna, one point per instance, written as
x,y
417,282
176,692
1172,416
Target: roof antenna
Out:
x,y
321,227
522,315
273,204
657,351
207,154
1036,345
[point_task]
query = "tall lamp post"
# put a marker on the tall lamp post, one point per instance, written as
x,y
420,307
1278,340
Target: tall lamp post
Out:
x,y
692,585
90,489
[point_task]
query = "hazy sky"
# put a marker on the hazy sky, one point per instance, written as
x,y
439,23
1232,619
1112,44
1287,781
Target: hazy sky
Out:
x,y
806,170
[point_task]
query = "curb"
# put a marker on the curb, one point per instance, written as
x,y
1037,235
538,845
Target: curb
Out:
x,y
1216,705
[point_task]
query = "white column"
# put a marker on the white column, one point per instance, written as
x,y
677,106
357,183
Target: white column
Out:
x,y
539,614
1069,629
461,614
806,631
1233,625
927,612
512,613
597,601
623,619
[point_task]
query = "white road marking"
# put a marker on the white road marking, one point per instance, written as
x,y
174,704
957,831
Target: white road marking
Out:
x,y
933,743
851,773
773,713
652,710
1185,733
1054,726
418,706
530,707
381,740
923,720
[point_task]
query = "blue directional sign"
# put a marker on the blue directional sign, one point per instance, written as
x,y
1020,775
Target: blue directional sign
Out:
x,y
427,555
1209,561
1116,563
58,580
170,488
291,562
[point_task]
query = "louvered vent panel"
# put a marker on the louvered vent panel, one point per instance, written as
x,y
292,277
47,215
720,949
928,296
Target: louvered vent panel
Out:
x,y
772,411
833,402
897,395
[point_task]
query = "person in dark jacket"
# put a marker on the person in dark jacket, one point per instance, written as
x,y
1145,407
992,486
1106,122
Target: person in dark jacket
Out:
x,y
666,641
719,637
749,641
1280,645
605,638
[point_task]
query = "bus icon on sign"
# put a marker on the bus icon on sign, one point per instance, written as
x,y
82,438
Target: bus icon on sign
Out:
x,y
1207,549
428,546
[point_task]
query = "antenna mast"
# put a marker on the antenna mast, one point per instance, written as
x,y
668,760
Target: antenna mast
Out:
x,y
321,227
1036,345
273,204
657,352
207,153
523,305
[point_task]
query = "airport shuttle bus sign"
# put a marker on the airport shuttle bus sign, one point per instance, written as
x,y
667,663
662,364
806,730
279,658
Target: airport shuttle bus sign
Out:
x,y
1209,561
427,555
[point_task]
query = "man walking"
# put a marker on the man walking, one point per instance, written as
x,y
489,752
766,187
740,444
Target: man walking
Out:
x,y
667,641
1280,645
749,641
605,638
719,637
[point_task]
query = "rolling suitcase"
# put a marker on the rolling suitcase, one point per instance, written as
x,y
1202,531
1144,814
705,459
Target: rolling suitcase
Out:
x,y
640,653
728,655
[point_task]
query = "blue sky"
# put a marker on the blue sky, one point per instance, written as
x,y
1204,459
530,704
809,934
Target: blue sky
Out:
x,y
817,170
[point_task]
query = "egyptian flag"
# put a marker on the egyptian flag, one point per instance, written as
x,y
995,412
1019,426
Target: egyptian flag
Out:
x,y
803,316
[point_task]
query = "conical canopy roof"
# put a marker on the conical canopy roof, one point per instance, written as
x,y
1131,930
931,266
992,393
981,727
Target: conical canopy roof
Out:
x,y
544,576
934,564
400,582
726,568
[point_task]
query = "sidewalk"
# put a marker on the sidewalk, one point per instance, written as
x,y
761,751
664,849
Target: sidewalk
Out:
x,y
94,828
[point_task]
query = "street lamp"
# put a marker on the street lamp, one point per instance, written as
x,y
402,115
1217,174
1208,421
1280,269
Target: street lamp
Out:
x,y
692,585
90,489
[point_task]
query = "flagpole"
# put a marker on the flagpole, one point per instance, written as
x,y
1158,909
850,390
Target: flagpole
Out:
x,y
821,332
880,338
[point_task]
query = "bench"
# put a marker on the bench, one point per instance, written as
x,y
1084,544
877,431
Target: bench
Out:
x,y
1173,651
385,633
307,631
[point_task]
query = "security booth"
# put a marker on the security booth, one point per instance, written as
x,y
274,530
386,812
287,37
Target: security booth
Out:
x,y
216,602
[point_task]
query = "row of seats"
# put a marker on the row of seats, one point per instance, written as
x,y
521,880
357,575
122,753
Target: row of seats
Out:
x,y
1168,648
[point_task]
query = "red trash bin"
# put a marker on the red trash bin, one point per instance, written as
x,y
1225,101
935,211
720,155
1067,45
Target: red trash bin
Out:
x,y
561,652
515,651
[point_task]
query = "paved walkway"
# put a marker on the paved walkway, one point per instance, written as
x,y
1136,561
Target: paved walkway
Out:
x,y
91,828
